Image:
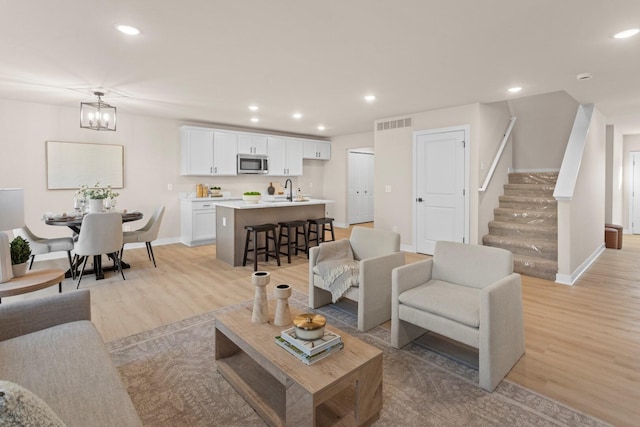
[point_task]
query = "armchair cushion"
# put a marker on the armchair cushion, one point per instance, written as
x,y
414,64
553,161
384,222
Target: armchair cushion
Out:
x,y
470,265
457,303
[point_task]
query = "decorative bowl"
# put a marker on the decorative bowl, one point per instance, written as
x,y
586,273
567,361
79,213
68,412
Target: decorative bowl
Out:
x,y
251,199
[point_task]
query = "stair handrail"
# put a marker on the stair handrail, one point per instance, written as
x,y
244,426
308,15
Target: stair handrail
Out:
x,y
496,159
570,168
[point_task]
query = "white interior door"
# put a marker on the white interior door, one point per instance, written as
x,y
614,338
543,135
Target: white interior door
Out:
x,y
360,187
635,193
440,188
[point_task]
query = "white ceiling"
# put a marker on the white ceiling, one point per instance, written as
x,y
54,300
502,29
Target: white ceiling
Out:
x,y
207,60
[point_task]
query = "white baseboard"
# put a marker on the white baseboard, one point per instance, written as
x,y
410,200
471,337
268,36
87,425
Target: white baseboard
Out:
x,y
158,242
570,279
408,248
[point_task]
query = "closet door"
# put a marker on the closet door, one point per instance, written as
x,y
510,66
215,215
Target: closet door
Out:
x,y
360,187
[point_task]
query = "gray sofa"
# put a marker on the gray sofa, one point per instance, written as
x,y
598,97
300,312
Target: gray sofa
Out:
x,y
50,347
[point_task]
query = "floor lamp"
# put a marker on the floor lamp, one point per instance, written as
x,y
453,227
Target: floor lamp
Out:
x,y
11,216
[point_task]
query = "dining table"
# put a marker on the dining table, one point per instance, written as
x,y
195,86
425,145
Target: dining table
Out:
x,y
74,222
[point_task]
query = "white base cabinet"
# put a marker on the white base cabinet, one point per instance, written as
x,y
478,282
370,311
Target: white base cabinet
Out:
x,y
198,222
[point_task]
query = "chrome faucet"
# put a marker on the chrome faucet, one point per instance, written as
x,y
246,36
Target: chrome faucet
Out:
x,y
290,196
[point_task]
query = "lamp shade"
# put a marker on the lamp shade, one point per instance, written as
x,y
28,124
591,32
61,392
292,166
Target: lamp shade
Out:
x,y
11,216
11,208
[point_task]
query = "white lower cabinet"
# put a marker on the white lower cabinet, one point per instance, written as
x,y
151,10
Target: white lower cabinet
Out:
x,y
198,222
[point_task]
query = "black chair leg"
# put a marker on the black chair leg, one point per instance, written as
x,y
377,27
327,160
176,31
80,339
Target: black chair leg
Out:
x,y
150,250
73,274
31,263
119,265
84,264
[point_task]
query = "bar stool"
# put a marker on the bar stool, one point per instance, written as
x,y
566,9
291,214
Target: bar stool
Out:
x,y
257,249
293,230
318,226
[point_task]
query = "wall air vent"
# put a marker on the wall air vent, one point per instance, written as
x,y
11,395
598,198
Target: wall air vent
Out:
x,y
394,124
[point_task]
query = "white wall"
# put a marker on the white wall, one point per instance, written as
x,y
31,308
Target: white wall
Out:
x,y
151,162
581,220
393,167
334,173
542,131
631,143
494,119
613,176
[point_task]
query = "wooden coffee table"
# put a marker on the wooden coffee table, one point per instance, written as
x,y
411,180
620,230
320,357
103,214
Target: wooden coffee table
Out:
x,y
344,388
32,281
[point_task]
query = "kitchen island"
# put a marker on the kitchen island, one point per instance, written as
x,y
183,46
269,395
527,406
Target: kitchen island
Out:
x,y
232,216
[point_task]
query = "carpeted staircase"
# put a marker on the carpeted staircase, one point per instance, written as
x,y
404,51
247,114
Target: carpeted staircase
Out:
x,y
526,223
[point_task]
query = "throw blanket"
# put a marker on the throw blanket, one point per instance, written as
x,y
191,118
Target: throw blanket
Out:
x,y
336,266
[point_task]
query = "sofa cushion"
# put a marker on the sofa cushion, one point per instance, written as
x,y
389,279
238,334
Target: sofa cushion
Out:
x,y
458,303
69,368
20,407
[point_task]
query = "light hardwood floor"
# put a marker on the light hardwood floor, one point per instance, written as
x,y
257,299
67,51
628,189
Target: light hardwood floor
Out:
x,y
582,341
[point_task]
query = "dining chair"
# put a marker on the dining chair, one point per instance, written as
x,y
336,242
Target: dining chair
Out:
x,y
146,234
41,245
100,233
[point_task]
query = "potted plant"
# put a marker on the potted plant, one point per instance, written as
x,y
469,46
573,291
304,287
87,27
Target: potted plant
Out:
x,y
20,253
215,191
96,196
251,196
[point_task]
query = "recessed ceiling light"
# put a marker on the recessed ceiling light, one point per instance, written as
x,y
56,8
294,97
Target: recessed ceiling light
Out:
x,y
321,127
370,98
627,33
253,107
255,119
515,89
297,116
127,29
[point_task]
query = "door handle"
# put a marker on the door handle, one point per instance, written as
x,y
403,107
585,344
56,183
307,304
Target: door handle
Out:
x,y
419,200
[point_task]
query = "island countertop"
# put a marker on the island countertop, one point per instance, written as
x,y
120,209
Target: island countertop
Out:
x,y
232,216
262,204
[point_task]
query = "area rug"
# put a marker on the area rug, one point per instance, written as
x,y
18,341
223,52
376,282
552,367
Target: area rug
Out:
x,y
171,375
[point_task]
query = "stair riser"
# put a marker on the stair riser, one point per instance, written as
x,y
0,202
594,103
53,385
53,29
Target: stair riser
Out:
x,y
514,204
539,178
525,217
544,253
524,234
533,271
528,192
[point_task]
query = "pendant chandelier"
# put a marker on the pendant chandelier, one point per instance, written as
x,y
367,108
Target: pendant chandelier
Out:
x,y
97,115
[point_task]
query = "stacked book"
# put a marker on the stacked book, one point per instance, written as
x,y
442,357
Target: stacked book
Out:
x,y
310,351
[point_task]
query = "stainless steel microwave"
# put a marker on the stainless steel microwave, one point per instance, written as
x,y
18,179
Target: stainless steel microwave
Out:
x,y
253,163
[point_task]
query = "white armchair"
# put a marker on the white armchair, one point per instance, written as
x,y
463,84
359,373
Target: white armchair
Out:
x,y
378,253
468,293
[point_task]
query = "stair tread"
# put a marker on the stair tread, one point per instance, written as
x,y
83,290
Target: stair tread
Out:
x,y
520,242
522,226
530,186
546,213
536,261
527,198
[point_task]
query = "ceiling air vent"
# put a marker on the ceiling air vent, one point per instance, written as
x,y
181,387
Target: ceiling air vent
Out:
x,y
394,124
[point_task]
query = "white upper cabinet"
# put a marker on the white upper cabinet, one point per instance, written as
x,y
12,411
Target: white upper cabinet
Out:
x,y
318,150
225,150
197,151
207,152
252,144
285,156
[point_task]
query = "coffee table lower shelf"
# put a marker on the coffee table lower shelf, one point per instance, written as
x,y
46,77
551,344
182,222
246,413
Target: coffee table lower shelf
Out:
x,y
282,390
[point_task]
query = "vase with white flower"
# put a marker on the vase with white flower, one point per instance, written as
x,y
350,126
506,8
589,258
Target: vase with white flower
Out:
x,y
97,196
